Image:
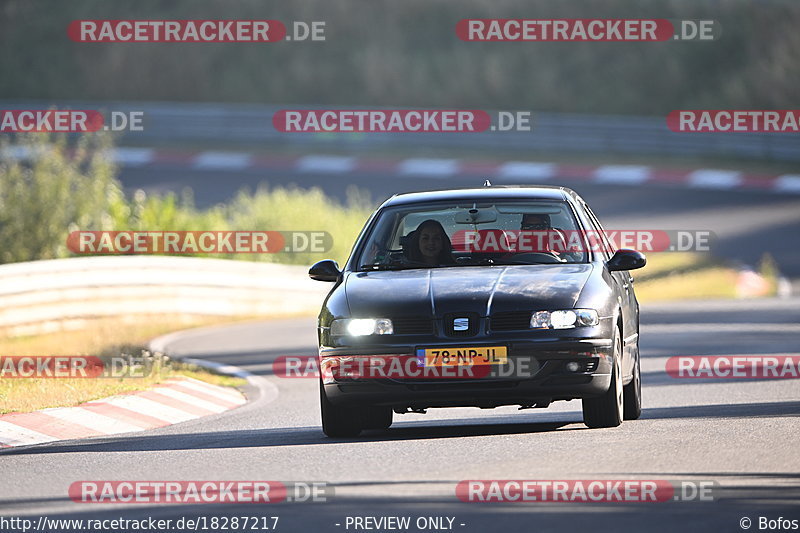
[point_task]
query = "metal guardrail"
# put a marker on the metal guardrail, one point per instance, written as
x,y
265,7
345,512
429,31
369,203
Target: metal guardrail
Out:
x,y
241,124
41,296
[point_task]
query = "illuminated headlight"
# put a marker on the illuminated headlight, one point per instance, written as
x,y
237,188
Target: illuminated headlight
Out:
x,y
356,327
568,318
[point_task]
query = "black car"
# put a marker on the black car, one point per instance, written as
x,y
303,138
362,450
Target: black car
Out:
x,y
479,297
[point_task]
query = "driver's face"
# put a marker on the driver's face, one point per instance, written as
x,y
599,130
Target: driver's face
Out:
x,y
430,242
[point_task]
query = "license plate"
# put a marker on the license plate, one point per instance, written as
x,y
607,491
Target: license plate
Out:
x,y
467,356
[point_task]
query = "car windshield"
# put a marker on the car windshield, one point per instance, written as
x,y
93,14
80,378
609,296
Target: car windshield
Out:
x,y
472,234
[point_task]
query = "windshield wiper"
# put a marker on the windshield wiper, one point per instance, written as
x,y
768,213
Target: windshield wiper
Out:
x,y
379,266
475,261
488,261
396,266
521,262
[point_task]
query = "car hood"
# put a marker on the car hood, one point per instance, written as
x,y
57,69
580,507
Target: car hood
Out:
x,y
483,290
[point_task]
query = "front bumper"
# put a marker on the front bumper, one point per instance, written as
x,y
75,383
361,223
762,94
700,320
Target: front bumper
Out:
x,y
536,374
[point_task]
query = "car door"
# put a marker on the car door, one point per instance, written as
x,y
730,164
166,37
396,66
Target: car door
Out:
x,y
630,308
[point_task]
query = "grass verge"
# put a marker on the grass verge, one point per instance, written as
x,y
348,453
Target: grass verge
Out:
x,y
108,341
700,284
694,276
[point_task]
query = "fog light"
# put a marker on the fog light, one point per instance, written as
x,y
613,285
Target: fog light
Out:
x,y
573,366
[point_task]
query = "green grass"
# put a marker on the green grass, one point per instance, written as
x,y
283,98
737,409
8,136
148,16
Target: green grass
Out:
x,y
665,264
20,395
700,284
671,276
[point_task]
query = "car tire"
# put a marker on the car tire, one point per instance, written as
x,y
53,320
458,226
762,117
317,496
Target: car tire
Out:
x,y
339,421
632,394
378,417
607,410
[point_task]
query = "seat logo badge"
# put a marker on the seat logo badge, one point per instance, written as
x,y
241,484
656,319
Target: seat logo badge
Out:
x,y
460,324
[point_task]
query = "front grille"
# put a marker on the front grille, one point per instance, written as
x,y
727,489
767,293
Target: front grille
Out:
x,y
412,326
444,385
473,321
512,320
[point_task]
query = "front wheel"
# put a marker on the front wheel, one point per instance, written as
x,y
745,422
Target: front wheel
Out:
x,y
378,417
339,421
632,394
607,410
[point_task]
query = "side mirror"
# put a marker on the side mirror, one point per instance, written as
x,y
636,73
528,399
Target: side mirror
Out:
x,y
626,260
325,270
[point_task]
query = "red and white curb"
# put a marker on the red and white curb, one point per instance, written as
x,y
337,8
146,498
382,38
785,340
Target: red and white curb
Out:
x,y
516,172
176,400
509,171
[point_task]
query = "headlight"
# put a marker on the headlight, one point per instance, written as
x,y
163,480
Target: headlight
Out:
x,y
568,318
357,327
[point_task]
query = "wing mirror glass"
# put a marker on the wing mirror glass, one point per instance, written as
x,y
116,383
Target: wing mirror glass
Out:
x,y
626,260
325,270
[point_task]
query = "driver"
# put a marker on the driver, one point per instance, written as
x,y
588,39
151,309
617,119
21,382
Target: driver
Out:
x,y
430,244
553,242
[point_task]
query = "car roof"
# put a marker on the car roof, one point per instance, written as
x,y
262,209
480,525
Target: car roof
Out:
x,y
505,192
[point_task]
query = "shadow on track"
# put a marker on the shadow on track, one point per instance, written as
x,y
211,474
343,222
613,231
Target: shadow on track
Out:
x,y
737,410
659,378
301,436
273,437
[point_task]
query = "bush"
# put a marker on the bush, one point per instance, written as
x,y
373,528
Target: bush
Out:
x,y
301,210
63,190
60,190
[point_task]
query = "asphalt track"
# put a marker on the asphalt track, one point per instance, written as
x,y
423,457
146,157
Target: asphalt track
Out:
x,y
740,434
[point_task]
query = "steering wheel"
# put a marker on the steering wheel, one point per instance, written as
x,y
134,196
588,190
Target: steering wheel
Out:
x,y
538,257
